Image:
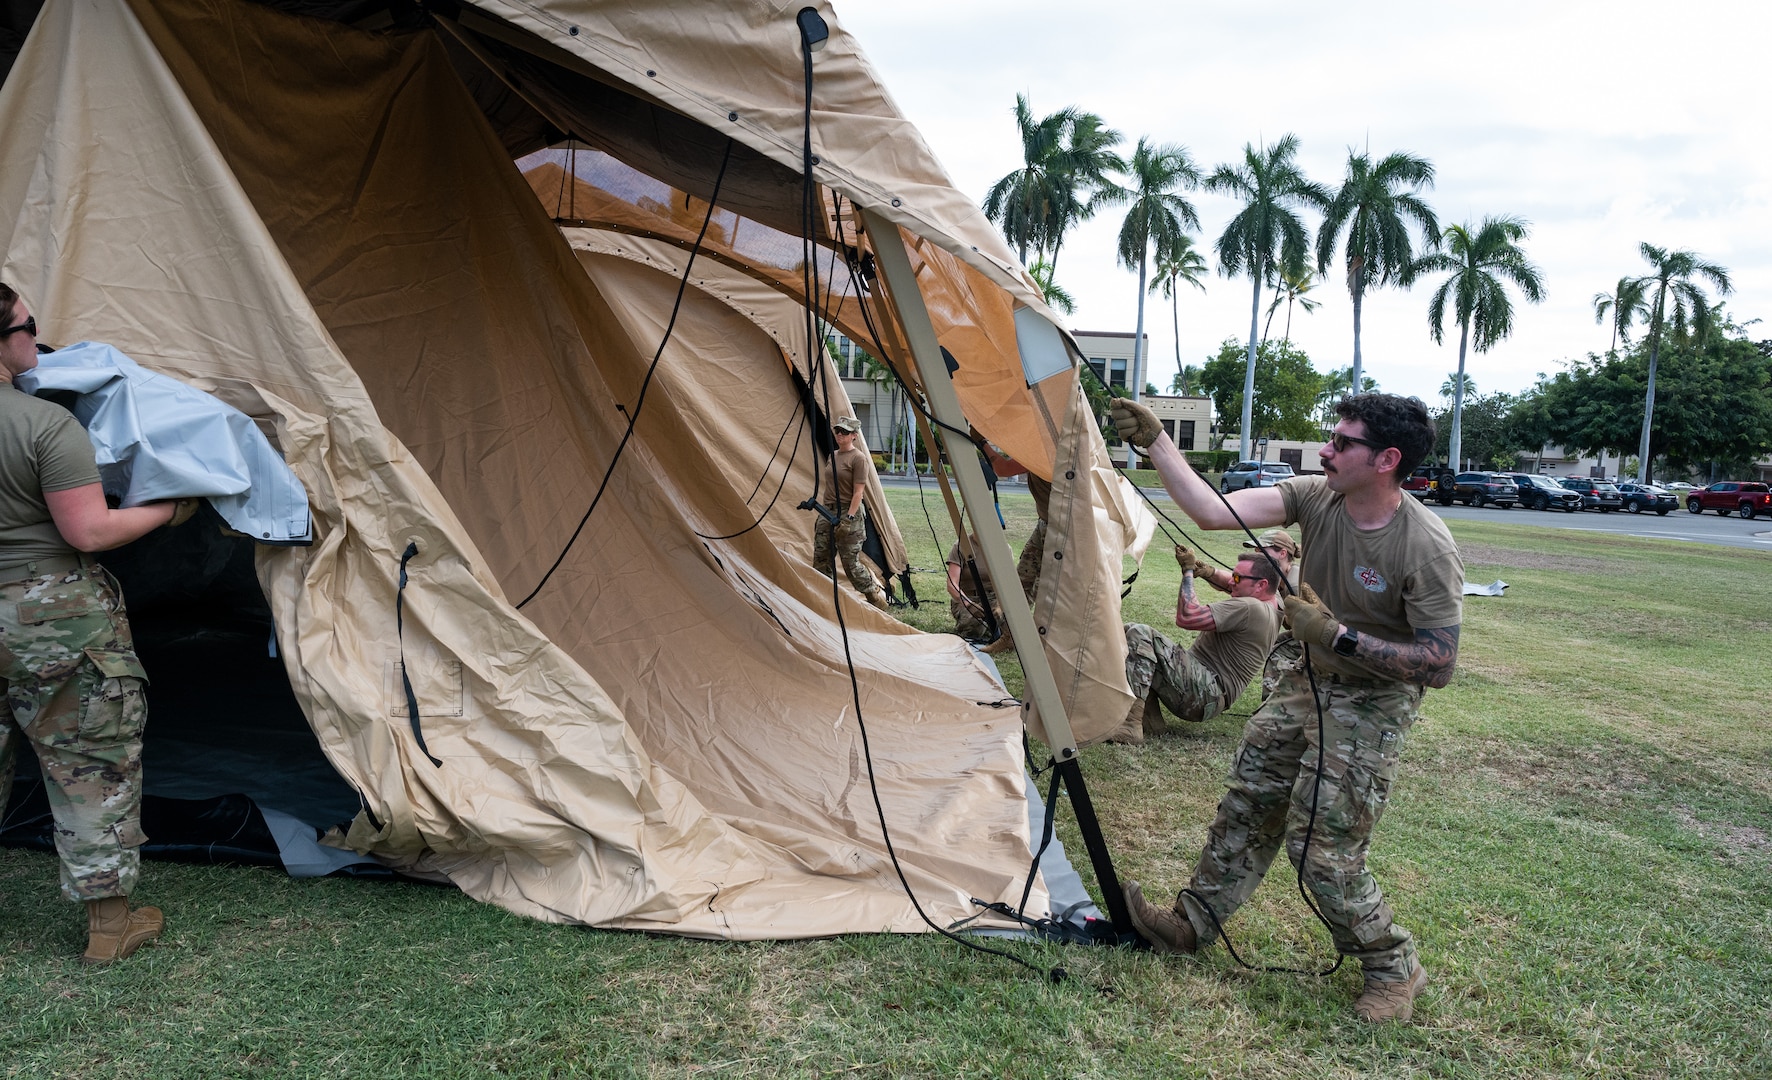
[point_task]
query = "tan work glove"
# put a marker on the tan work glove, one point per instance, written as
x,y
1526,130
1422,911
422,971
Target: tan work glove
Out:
x,y
1309,596
1185,556
1311,623
1134,423
182,511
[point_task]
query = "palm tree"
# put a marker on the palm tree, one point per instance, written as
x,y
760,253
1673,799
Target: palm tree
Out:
x,y
1458,384
1625,304
1291,285
1186,381
1375,205
1156,217
1479,264
1673,274
1182,264
1065,160
1336,385
1266,232
1055,295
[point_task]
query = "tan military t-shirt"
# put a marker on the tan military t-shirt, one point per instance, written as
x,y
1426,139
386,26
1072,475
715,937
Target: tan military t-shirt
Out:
x,y
1235,651
851,469
1387,582
42,448
984,574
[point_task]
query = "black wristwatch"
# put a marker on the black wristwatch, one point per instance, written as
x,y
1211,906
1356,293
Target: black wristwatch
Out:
x,y
1348,642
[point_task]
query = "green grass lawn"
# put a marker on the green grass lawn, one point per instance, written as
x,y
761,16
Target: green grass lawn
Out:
x,y
1581,840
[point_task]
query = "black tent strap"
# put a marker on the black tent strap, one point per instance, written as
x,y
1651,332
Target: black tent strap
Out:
x,y
400,634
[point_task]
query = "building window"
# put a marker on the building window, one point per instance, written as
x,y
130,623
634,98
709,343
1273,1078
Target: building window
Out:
x,y
1182,434
1294,458
1119,378
1099,364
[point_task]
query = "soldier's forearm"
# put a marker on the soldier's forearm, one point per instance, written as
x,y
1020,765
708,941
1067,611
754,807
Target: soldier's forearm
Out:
x,y
1427,661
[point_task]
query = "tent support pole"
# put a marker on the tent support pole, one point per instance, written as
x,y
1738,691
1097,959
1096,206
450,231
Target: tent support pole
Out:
x,y
993,544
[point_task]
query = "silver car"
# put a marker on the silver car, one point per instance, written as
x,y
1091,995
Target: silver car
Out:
x,y
1248,474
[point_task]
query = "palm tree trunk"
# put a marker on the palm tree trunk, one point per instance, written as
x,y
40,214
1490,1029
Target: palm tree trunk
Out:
x,y
1457,448
1289,320
1175,314
1269,325
1648,408
1249,372
1134,382
1360,295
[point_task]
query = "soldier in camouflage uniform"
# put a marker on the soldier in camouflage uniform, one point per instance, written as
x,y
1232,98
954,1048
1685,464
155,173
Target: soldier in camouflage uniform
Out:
x,y
845,491
1385,629
70,682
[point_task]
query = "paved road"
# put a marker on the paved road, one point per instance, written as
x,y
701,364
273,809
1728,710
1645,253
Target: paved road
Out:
x,y
1677,525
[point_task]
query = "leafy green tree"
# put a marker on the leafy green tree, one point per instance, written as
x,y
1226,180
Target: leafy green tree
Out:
x,y
1157,217
1267,232
1291,285
1624,305
1488,431
1065,160
1183,264
1375,206
1479,264
1286,388
1051,291
1671,276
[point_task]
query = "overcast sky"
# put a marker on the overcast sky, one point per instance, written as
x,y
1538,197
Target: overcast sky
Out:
x,y
1603,125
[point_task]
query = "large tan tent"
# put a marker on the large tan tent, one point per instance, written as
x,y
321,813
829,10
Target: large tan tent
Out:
x,y
316,214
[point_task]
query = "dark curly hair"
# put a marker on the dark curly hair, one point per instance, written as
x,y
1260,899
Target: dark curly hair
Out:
x,y
1393,421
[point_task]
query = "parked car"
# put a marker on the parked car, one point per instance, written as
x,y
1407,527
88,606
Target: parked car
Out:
x,y
1248,474
1640,497
1595,494
1678,488
1731,497
1430,482
1482,488
1543,493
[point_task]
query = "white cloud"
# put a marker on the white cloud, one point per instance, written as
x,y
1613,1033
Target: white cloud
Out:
x,y
1603,124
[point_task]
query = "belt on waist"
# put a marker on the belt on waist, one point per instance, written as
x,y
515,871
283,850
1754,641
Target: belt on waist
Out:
x,y
36,568
1368,682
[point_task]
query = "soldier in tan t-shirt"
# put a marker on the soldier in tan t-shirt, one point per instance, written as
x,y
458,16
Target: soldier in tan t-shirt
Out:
x,y
1386,628
1200,682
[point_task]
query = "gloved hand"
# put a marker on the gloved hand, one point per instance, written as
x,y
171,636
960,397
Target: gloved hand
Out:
x,y
182,511
1134,423
1309,596
1185,556
1311,623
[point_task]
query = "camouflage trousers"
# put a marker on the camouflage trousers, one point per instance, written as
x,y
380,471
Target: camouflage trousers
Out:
x,y
970,624
848,535
1158,669
73,686
1027,568
1271,790
1286,655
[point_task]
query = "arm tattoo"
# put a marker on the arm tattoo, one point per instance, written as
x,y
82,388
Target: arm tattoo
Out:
x,y
1427,661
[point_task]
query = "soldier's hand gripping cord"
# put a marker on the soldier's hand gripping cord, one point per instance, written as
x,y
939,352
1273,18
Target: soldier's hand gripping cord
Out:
x,y
1185,556
1309,596
1313,624
1134,423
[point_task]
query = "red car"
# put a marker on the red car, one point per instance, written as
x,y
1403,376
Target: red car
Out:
x,y
1731,497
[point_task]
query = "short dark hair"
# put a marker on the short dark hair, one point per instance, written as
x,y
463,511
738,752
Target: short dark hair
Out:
x,y
8,301
1393,421
1261,568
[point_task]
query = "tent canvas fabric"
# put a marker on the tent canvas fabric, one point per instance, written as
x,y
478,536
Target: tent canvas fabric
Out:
x,y
320,226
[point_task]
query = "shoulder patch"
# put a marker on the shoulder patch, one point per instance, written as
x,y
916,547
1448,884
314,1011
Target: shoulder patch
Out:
x,y
1370,579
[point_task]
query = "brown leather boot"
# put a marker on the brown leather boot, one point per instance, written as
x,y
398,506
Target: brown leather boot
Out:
x,y
113,931
1168,931
1383,1001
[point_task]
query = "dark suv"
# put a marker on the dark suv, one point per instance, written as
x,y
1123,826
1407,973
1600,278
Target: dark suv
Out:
x,y
1640,497
1595,494
1543,493
1730,497
1481,489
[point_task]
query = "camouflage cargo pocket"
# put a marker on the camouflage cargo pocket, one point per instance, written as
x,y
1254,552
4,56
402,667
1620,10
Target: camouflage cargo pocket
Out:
x,y
118,709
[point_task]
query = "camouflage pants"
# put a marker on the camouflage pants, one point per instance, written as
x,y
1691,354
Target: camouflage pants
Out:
x,y
1287,655
1159,668
1027,568
1270,795
969,621
73,686
848,536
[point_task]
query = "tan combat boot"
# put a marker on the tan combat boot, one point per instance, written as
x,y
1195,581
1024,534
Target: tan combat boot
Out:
x,y
113,931
1168,931
1384,1001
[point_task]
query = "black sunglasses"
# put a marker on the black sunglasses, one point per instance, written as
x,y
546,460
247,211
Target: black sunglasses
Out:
x,y
1342,442
29,326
